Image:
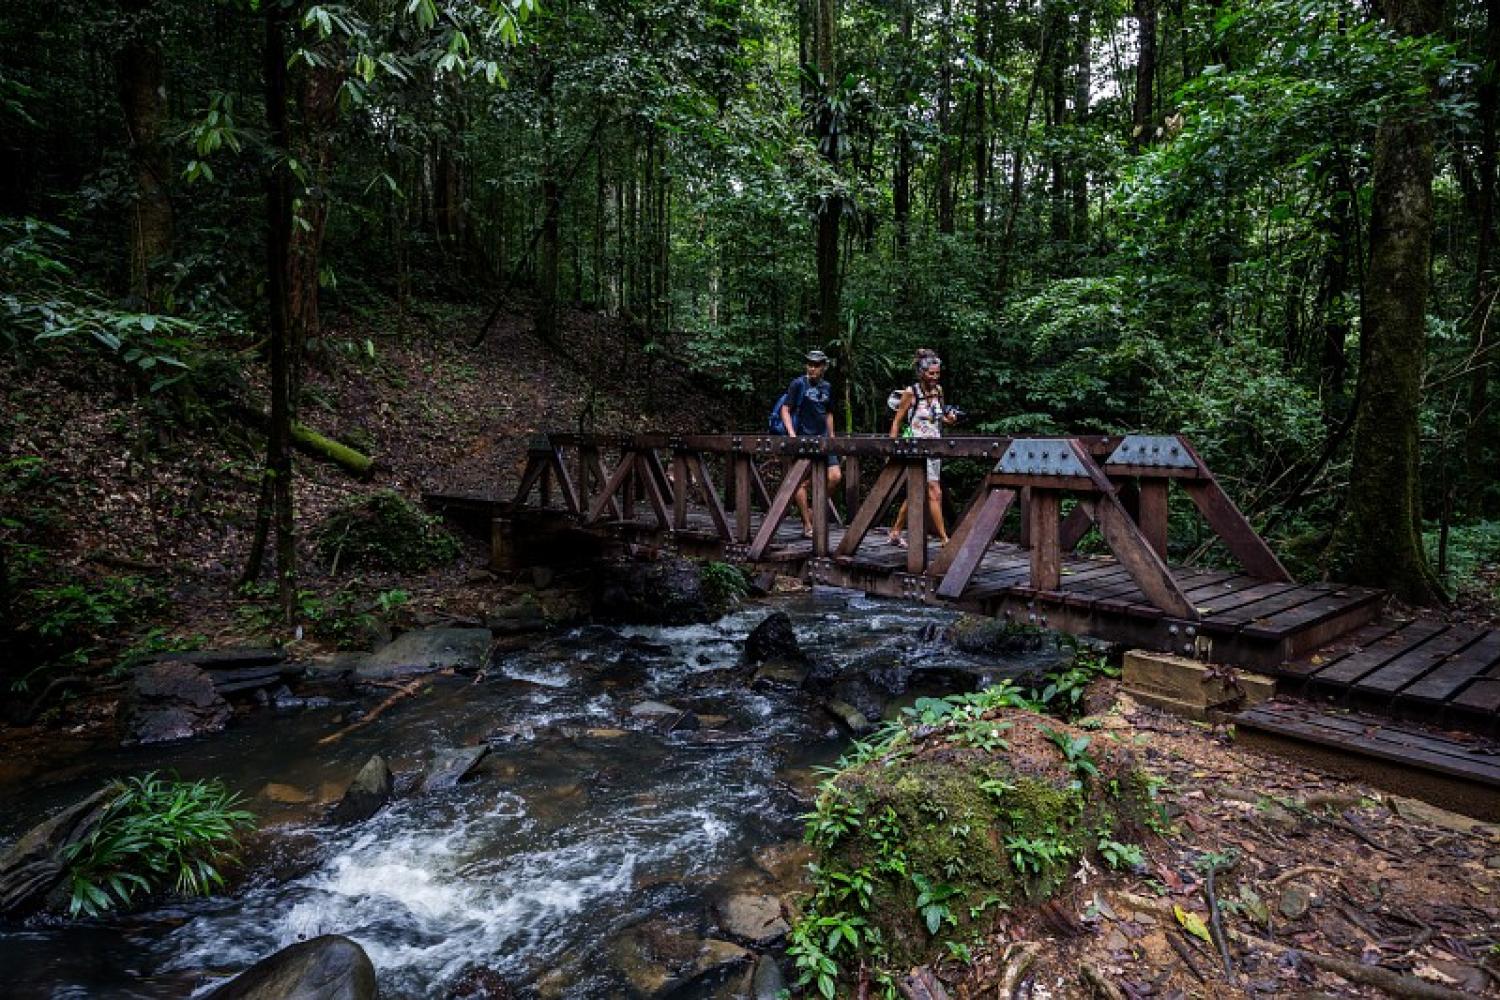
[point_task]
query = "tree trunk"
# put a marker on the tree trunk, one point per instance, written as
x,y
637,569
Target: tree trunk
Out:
x,y
901,181
944,116
1145,74
549,248
1082,84
981,123
832,206
317,92
1379,540
1476,446
278,258
143,100
1333,366
1059,208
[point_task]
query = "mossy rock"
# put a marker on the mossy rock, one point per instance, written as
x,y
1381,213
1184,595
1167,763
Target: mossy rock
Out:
x,y
384,531
955,826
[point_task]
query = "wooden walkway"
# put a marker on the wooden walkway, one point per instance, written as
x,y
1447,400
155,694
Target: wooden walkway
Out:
x,y
1015,550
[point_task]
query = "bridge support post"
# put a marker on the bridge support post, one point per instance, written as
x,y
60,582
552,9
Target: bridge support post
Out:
x,y
503,555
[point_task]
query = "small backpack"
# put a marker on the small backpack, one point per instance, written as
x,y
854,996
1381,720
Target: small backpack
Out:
x,y
774,424
893,401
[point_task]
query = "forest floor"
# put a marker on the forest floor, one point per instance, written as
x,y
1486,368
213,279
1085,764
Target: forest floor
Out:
x,y
1324,887
147,502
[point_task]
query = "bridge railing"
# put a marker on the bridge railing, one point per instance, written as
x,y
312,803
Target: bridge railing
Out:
x,y
1120,486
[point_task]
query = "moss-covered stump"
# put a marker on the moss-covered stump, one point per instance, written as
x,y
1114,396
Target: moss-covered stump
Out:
x,y
384,531
922,841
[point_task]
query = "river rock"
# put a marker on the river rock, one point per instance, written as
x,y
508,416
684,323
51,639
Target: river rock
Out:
x,y
450,767
172,701
773,639
767,983
779,675
367,793
421,651
986,636
659,959
862,695
753,919
665,592
848,716
34,864
330,967
520,618
660,714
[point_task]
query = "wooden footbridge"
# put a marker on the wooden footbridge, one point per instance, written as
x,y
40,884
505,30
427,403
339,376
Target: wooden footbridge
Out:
x,y
1064,532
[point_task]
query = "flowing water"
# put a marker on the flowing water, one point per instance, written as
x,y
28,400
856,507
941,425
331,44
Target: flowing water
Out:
x,y
583,825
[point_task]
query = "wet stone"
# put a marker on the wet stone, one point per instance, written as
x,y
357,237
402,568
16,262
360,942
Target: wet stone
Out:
x,y
330,967
285,794
173,701
367,793
767,982
450,767
424,650
773,639
779,675
754,919
848,716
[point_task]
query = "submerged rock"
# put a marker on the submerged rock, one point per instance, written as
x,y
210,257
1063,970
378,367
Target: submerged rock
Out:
x,y
849,717
767,982
983,635
173,701
773,639
369,791
659,959
450,767
480,983
330,967
424,650
35,863
665,592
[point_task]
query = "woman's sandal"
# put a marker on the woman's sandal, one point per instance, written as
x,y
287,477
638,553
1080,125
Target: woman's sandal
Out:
x,y
897,541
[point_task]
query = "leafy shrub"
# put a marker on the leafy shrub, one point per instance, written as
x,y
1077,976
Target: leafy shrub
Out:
x,y
66,622
384,531
158,834
723,584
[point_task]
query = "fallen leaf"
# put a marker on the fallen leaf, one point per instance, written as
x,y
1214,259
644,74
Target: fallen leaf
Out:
x,y
1192,923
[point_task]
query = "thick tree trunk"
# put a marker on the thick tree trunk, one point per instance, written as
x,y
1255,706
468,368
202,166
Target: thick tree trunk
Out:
x,y
143,100
317,91
277,502
1142,118
1379,540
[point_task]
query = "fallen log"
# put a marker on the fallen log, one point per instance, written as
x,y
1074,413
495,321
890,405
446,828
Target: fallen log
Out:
x,y
307,440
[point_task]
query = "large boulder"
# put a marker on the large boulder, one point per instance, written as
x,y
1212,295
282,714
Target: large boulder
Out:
x,y
35,864
172,701
367,793
660,960
773,639
422,651
330,967
665,592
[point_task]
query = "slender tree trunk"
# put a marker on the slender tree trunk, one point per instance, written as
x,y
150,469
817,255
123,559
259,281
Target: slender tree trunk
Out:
x,y
901,181
832,206
1333,366
549,249
981,123
1477,443
1379,540
278,259
142,87
1083,82
944,116
1142,119
1059,207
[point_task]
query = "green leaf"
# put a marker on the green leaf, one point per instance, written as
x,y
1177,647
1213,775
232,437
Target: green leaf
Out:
x,y
1192,923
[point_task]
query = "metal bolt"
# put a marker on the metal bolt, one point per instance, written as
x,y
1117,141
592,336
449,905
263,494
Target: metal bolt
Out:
x,y
1191,631
1171,630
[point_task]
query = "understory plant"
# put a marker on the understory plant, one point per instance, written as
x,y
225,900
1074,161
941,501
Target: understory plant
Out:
x,y
964,807
158,834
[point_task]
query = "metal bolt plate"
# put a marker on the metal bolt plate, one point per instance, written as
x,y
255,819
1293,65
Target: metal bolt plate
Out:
x,y
1154,451
1041,457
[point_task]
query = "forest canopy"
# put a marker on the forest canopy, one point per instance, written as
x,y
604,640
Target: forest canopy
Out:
x,y
1107,216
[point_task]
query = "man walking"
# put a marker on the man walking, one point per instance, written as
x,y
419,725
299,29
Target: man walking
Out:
x,y
806,413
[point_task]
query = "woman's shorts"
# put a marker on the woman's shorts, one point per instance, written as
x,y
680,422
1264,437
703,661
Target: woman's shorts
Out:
x,y
934,470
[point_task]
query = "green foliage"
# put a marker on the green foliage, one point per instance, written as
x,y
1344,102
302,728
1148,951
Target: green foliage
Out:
x,y
68,622
383,531
1063,689
157,835
1473,558
1127,857
724,584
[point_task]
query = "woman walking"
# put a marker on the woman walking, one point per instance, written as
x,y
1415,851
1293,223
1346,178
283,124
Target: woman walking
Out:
x,y
922,413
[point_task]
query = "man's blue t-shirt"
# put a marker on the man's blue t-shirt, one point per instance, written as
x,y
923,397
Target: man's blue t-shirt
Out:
x,y
808,405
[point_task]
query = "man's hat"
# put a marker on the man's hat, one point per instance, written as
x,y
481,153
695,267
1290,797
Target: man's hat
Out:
x,y
817,358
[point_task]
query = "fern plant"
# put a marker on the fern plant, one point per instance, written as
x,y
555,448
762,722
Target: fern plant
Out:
x,y
157,834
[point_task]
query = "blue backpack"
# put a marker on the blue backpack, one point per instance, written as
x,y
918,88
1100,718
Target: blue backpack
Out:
x,y
774,424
